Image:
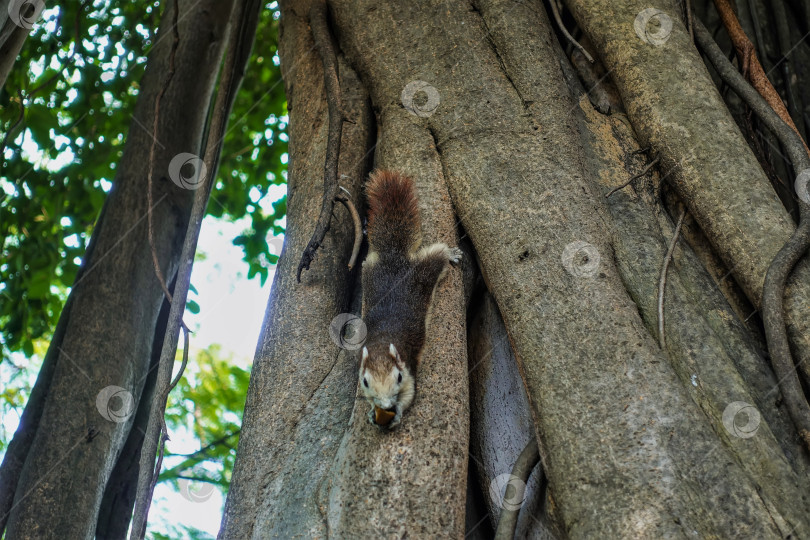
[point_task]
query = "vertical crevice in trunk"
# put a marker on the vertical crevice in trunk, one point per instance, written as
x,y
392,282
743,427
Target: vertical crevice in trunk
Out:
x,y
501,425
115,512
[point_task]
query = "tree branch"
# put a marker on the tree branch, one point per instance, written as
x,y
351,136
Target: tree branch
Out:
x,y
752,69
345,200
323,41
526,461
155,121
644,171
773,293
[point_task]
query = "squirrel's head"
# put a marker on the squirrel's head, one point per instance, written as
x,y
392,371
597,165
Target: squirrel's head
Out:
x,y
387,384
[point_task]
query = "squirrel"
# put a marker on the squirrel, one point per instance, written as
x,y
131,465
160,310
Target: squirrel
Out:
x,y
398,281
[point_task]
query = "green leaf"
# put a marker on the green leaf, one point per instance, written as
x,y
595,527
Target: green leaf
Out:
x,y
193,306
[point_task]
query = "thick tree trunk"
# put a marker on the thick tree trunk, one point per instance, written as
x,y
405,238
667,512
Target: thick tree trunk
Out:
x,y
73,429
636,441
299,399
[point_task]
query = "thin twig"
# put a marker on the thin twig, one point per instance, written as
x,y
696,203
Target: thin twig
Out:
x,y
345,200
644,171
662,283
555,10
323,41
525,464
163,400
773,316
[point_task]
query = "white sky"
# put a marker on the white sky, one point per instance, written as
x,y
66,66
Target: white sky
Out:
x,y
231,313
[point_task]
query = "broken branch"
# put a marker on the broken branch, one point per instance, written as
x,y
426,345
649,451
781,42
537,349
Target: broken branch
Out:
x,y
345,200
644,171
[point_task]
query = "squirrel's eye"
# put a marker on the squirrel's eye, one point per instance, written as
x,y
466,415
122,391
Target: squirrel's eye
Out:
x,y
365,382
399,379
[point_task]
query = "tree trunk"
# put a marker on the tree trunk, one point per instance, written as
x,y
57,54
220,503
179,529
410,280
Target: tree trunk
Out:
x,y
82,408
636,440
14,27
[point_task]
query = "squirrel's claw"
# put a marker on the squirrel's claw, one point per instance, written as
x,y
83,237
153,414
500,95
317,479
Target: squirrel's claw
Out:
x,y
454,255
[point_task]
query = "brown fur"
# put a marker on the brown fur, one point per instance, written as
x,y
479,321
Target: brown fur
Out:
x,y
393,213
398,284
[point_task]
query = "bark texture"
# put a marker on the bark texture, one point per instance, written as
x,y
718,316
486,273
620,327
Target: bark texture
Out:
x,y
359,481
679,113
72,445
478,103
623,441
302,386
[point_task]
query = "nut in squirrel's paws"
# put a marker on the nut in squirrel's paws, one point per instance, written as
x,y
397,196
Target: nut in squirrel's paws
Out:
x,y
454,255
384,419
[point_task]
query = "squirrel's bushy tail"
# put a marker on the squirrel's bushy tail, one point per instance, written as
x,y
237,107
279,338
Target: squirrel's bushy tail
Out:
x,y
393,213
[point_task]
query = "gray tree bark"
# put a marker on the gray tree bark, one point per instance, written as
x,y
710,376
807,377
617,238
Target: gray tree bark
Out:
x,y
14,28
76,424
479,104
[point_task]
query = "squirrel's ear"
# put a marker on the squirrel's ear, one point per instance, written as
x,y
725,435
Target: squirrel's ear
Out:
x,y
365,354
392,351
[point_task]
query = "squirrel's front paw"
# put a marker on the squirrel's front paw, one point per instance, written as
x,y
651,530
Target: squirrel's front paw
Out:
x,y
454,255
